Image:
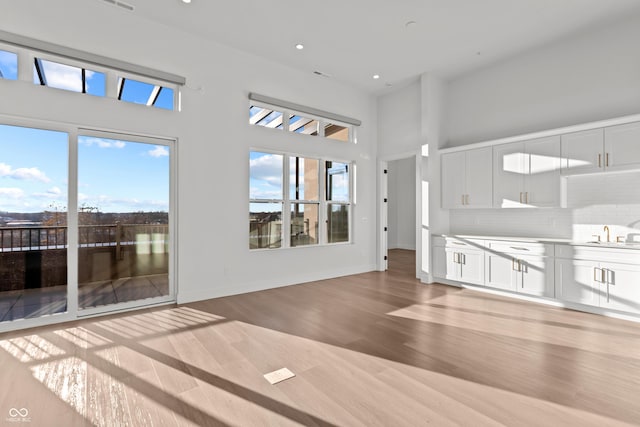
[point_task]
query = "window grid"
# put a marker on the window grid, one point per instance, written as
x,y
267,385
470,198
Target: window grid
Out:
x,y
330,215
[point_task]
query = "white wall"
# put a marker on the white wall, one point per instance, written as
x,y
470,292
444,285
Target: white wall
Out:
x,y
584,78
402,204
399,122
214,139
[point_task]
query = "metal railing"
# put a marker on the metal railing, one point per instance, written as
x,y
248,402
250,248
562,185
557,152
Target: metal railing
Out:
x,y
16,239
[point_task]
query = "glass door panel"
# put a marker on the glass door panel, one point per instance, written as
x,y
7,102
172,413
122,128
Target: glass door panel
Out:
x,y
123,221
33,222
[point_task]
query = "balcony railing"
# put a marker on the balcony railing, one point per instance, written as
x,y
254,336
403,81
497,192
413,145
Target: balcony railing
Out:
x,y
17,239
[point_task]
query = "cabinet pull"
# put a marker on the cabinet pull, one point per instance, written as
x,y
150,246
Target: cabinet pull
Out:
x,y
467,199
518,248
521,197
459,243
599,160
526,197
463,199
513,264
606,162
595,275
456,257
463,259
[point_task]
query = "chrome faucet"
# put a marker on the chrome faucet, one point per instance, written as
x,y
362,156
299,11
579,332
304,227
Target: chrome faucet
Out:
x,y
606,228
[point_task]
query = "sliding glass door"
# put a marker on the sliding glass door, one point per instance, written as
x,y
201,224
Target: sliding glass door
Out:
x,y
124,226
111,251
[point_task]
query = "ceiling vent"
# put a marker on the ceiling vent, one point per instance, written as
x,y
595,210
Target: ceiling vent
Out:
x,y
121,4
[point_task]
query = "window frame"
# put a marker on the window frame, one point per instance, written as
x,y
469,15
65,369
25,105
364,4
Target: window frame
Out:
x,y
288,113
322,202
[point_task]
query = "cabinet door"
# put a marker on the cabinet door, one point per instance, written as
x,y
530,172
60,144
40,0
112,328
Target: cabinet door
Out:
x,y
536,276
582,152
453,179
621,288
501,271
542,182
575,281
439,262
452,265
622,146
479,178
472,267
508,175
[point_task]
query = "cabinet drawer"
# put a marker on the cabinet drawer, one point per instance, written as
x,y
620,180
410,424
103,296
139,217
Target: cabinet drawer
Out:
x,y
521,248
457,242
625,256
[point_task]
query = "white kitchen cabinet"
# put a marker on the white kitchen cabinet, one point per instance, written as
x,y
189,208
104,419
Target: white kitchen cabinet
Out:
x,y
575,281
464,260
467,179
599,283
464,265
620,287
583,152
613,148
622,147
527,174
522,268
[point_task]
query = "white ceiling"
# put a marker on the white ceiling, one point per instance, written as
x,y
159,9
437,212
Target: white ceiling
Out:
x,y
351,40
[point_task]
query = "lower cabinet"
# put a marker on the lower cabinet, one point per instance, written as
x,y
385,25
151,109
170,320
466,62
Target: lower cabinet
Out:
x,y
465,265
527,274
522,267
602,284
608,278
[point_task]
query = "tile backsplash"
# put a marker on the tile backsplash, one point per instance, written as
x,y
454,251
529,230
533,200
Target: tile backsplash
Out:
x,y
593,201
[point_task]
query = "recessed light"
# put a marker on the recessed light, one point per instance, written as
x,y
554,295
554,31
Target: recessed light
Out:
x,y
299,46
376,77
186,1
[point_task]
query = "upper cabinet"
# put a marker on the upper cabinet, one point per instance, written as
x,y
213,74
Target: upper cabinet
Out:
x,y
583,152
622,147
466,179
613,148
527,174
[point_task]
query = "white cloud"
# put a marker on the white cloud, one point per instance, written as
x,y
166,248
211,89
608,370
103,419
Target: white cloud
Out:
x,y
52,193
29,174
159,151
12,193
101,142
64,76
267,168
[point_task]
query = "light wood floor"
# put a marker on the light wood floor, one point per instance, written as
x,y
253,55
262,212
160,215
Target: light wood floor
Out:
x,y
376,349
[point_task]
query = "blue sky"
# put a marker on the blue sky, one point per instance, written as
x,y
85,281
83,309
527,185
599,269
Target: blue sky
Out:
x,y
113,175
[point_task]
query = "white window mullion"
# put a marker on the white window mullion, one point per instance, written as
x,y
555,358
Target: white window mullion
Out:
x,y
25,65
286,205
72,226
322,215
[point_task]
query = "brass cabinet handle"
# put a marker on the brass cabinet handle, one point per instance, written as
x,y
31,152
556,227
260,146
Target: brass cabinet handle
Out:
x,y
467,199
595,277
513,264
526,197
606,162
599,160
463,199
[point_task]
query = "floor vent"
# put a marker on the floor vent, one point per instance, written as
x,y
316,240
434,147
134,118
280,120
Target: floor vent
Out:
x,y
280,375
